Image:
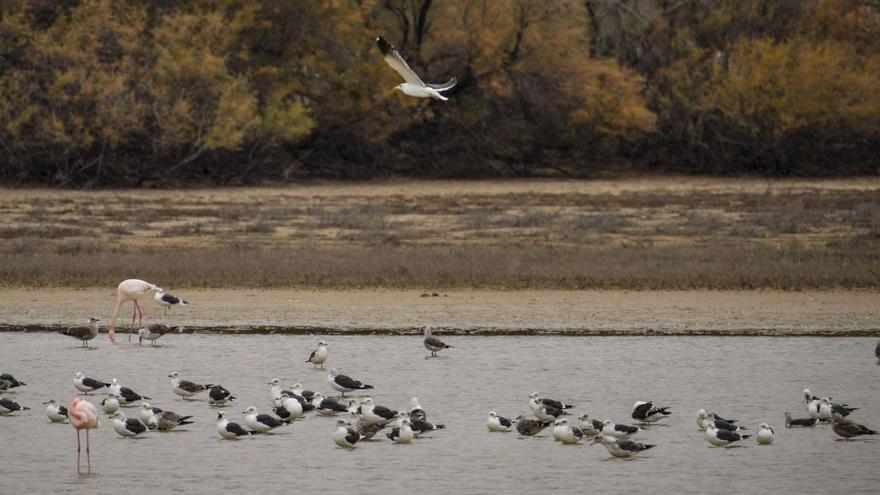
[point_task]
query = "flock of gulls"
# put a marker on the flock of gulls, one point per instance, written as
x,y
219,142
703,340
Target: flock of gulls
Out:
x,y
360,418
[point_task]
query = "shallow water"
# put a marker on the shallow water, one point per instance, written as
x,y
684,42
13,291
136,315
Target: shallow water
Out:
x,y
754,379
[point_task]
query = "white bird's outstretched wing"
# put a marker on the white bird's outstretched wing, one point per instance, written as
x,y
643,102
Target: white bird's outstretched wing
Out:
x,y
393,58
443,86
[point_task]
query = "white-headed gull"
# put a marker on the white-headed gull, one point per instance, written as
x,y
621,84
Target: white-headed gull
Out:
x,y
218,396
402,433
110,404
376,414
413,85
622,448
167,300
722,438
127,427
344,383
565,433
261,423
56,412
319,355
498,423
432,343
612,429
765,434
550,402
186,388
85,384
344,435
228,429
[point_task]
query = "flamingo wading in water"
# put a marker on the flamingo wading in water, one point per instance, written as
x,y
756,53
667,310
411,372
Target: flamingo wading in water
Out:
x,y
130,290
83,416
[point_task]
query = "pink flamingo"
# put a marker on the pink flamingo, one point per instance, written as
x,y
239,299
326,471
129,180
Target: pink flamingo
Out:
x,y
130,290
83,416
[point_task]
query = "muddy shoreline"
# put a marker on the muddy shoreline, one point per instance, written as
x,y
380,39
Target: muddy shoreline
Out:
x,y
394,312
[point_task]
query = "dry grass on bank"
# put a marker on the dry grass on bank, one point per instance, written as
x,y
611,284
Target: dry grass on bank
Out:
x,y
662,234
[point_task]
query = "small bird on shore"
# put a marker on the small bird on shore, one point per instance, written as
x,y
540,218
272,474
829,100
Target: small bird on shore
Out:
x,y
803,422
167,300
83,333
319,355
847,428
125,395
432,343
765,434
413,85
591,427
56,412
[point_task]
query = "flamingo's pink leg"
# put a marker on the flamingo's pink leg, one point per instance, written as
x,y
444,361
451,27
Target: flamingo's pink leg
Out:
x,y
77,451
88,451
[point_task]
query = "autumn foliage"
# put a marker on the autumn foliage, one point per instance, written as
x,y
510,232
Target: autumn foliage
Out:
x,y
152,92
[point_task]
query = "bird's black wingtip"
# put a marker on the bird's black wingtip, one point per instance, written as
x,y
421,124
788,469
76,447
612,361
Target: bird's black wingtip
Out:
x,y
384,46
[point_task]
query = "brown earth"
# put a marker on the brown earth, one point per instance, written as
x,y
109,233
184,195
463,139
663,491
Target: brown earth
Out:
x,y
839,313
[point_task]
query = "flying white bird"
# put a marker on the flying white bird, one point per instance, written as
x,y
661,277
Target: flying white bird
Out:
x,y
413,85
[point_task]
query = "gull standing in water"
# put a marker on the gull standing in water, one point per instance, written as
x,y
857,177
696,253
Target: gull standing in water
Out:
x,y
765,434
261,423
498,423
413,85
319,355
127,427
344,383
153,331
228,429
219,396
345,436
804,422
403,433
722,438
110,404
83,333
432,343
565,433
530,427
622,448
56,413
8,407
847,428
612,429
85,384
186,388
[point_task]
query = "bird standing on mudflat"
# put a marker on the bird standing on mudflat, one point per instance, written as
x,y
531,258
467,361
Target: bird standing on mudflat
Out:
x,y
167,300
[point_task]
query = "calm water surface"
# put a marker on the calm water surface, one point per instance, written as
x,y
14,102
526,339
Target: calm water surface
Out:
x,y
751,378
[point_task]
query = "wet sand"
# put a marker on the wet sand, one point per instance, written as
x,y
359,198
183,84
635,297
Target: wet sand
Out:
x,y
841,313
